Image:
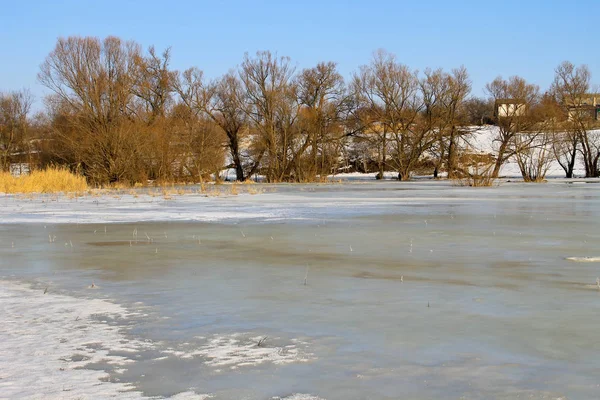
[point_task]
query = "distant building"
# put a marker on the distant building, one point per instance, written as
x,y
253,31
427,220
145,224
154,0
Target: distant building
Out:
x,y
586,106
505,108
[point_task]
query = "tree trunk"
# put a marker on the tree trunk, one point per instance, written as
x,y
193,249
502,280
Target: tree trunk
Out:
x,y
235,155
571,164
451,157
499,161
383,156
569,173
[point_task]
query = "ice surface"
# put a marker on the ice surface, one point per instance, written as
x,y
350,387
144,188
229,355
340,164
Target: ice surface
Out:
x,y
308,202
511,315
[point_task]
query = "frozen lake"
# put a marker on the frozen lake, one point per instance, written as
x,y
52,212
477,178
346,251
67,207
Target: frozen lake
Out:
x,y
413,290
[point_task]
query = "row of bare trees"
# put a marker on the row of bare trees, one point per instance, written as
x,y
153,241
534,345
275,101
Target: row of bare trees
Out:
x,y
119,113
113,114
410,116
559,125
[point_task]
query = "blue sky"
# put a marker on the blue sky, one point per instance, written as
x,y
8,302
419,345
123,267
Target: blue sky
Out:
x,y
526,38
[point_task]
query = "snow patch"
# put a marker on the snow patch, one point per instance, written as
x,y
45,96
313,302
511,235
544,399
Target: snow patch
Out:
x,y
240,350
47,340
584,259
191,396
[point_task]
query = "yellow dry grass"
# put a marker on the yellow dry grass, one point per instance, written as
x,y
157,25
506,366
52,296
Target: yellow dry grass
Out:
x,y
50,180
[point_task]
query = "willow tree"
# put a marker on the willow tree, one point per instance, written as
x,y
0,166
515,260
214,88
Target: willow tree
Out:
x,y
153,88
93,104
223,102
322,96
390,91
452,118
272,109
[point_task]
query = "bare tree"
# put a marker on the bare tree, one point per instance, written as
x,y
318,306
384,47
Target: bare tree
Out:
x,y
92,83
455,117
444,95
14,110
390,93
153,83
227,110
569,88
199,147
534,151
515,99
152,87
272,108
223,102
322,96
92,77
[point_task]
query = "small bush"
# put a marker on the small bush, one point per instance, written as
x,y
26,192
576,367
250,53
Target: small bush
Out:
x,y
50,180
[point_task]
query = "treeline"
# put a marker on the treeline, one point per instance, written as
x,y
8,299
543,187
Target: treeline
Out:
x,y
121,114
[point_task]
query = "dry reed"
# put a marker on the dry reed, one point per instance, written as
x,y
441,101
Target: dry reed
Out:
x,y
50,180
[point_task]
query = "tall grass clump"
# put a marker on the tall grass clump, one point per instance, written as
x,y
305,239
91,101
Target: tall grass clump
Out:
x,y
476,179
50,180
476,171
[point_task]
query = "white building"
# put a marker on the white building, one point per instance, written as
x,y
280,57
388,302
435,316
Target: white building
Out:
x,y
506,108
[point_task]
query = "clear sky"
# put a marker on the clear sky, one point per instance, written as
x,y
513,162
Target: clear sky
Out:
x,y
507,37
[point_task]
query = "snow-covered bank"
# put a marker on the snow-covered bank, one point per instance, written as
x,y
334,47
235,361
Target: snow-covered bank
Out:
x,y
482,141
47,339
